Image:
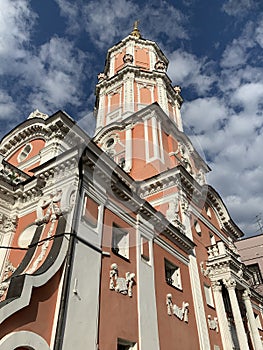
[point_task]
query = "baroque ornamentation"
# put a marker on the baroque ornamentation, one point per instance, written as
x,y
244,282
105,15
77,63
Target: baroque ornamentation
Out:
x,y
101,76
37,114
246,294
204,271
184,203
230,283
9,268
213,323
127,58
120,284
8,224
50,204
216,286
53,211
173,309
160,65
172,213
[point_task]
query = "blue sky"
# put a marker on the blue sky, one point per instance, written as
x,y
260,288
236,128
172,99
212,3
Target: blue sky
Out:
x,y
51,52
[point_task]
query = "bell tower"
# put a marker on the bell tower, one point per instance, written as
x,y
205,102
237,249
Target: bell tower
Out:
x,y
138,111
134,77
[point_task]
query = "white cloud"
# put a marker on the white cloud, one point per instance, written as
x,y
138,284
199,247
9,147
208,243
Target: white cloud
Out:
x,y
107,22
259,33
249,96
239,8
187,70
205,114
238,52
16,21
55,74
7,105
50,75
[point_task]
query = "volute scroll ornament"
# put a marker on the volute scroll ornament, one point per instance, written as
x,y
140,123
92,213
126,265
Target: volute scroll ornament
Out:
x,y
230,283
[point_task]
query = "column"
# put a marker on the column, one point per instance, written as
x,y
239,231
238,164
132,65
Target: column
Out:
x,y
252,322
221,315
241,334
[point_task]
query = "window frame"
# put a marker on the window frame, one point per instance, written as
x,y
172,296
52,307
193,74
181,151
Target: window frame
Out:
x,y
119,237
175,271
23,154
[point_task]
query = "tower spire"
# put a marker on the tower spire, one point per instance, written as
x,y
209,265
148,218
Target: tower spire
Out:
x,y
135,32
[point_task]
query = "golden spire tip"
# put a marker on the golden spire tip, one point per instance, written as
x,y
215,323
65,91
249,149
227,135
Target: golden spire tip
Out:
x,y
135,32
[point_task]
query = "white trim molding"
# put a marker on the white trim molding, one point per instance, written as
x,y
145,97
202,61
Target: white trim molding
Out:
x,y
27,339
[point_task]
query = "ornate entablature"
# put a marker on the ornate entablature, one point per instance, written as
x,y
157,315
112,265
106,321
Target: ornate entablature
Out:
x,y
224,262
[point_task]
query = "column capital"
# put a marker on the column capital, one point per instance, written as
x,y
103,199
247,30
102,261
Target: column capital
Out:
x,y
246,294
230,283
216,286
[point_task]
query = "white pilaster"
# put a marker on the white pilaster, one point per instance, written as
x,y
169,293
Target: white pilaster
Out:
x,y
112,65
178,117
128,94
241,334
101,110
197,292
128,150
252,322
147,310
155,138
162,97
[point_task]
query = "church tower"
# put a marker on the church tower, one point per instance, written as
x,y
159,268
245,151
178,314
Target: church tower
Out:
x,y
138,112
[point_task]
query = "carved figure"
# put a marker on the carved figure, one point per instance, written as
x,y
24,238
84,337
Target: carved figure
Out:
x,y
120,284
172,213
213,323
179,312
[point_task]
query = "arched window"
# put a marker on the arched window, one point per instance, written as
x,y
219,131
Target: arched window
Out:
x,y
24,153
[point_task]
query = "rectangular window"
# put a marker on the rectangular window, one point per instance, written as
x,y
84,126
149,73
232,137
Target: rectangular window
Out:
x,y
145,249
209,295
125,345
172,274
120,242
91,211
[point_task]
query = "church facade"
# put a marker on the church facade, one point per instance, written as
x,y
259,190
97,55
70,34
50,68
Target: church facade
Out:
x,y
118,242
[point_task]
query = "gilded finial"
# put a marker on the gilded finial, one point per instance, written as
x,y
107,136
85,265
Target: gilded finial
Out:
x,y
135,32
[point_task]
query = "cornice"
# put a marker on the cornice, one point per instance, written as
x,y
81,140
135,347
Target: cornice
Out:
x,y
37,130
140,41
177,176
223,215
120,185
168,125
119,77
